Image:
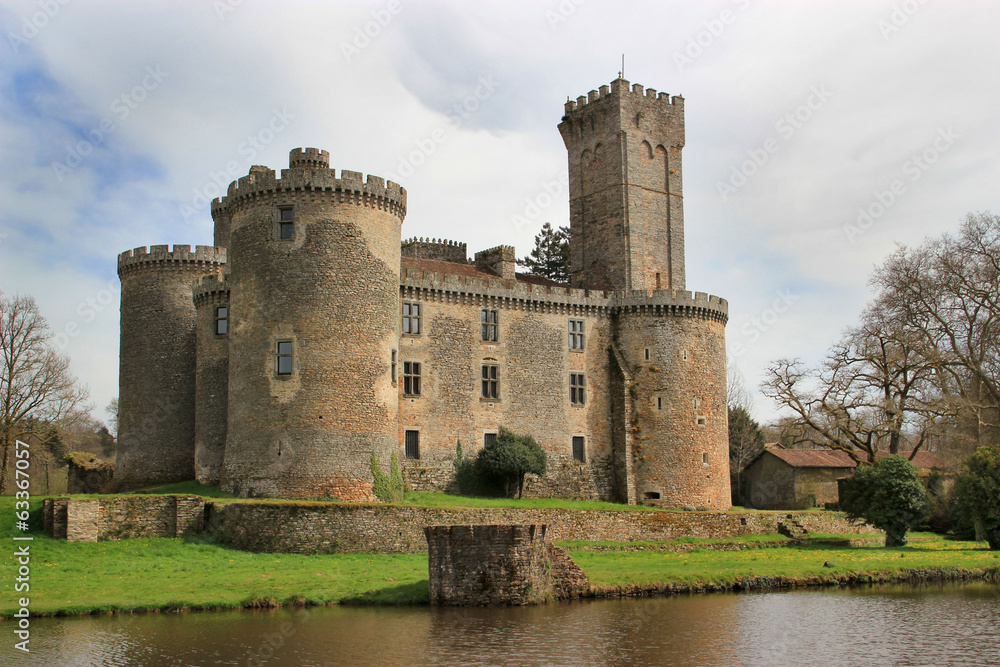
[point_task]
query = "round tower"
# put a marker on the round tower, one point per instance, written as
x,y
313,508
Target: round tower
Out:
x,y
157,362
211,300
674,343
314,319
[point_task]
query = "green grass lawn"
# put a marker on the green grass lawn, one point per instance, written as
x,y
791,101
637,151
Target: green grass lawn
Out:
x,y
156,573
704,566
192,573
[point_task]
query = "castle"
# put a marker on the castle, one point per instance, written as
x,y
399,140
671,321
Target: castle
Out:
x,y
275,362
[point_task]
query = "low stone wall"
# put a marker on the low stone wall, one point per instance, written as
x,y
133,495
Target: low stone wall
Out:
x,y
338,528
498,565
122,517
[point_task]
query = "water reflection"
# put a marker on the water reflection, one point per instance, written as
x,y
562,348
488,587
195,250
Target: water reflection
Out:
x,y
883,626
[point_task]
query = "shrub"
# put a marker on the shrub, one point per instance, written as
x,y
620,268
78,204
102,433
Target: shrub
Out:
x,y
387,488
886,494
976,507
509,458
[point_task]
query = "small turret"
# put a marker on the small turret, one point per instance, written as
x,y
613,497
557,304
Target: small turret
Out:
x,y
308,158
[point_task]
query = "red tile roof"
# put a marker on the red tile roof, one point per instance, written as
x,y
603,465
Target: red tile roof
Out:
x,y
832,458
814,458
469,270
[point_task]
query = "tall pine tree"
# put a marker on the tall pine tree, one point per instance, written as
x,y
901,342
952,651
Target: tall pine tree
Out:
x,y
550,256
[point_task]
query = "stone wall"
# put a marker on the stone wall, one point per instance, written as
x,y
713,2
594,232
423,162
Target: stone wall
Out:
x,y
339,528
497,565
122,517
535,360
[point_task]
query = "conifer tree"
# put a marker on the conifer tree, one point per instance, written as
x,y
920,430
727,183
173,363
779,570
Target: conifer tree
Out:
x,y
550,256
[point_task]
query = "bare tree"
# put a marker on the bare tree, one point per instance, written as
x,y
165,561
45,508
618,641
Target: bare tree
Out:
x,y
112,410
948,291
876,383
36,387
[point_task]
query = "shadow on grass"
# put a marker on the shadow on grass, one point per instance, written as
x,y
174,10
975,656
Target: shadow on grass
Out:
x,y
404,594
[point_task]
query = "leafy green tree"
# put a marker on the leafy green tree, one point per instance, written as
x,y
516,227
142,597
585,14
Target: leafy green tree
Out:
x,y
887,494
977,495
509,458
550,256
746,442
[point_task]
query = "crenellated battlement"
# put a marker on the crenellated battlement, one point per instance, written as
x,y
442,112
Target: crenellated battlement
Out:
x,y
440,249
211,288
620,88
503,293
203,259
308,158
309,172
673,302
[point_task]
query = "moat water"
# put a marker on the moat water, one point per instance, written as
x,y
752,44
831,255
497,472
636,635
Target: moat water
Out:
x,y
905,627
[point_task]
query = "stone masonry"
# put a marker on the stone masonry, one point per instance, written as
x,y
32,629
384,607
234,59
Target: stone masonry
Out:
x,y
341,340
497,565
312,527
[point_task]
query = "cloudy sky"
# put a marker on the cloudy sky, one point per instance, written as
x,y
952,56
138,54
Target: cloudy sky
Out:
x,y
818,135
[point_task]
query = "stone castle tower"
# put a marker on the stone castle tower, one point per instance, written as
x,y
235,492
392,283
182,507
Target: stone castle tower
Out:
x,y
311,337
627,235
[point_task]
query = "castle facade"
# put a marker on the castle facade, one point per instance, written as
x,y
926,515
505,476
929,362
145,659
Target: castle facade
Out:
x,y
275,362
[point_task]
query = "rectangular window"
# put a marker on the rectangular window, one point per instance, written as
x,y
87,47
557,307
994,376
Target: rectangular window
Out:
x,y
284,357
412,442
392,367
491,381
221,320
488,325
411,319
489,439
578,452
286,223
411,378
577,389
576,339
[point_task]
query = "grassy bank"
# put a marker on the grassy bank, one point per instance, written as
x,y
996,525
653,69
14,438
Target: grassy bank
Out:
x,y
192,573
162,573
713,569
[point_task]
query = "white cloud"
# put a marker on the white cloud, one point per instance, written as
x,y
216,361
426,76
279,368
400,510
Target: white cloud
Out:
x,y
226,77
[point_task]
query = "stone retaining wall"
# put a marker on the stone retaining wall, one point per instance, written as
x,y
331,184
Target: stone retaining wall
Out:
x,y
338,528
122,517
